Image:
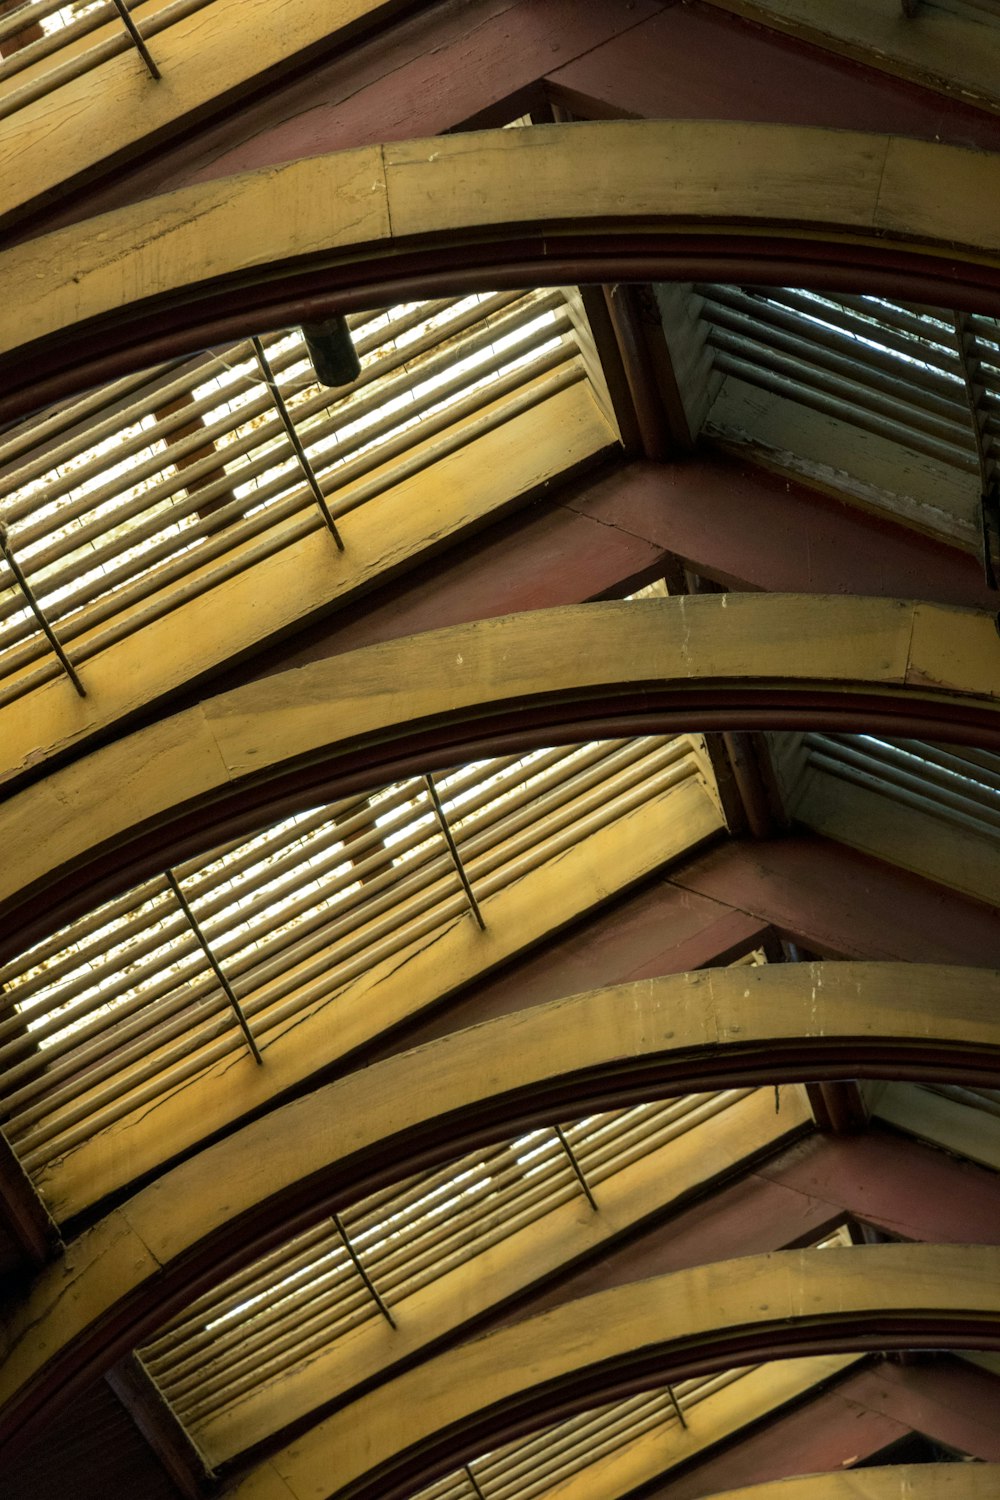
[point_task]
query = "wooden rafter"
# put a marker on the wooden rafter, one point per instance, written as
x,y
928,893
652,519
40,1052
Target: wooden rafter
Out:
x,y
658,1183
775,1202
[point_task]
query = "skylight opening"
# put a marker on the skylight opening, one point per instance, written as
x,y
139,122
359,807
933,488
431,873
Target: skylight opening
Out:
x,y
194,465
301,1298
123,1006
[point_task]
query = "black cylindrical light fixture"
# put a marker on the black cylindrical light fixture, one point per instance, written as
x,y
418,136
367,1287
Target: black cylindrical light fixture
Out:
x,y
331,349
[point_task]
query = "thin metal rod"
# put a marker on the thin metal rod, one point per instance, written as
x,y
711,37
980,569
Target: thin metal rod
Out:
x,y
974,390
989,502
227,988
356,1260
453,850
581,1179
295,440
137,41
477,1488
39,613
677,1406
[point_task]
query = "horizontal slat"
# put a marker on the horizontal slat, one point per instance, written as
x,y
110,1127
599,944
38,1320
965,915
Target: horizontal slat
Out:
x,y
940,782
885,368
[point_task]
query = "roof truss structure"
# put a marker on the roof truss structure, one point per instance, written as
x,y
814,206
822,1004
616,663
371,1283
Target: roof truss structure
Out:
x,y
496,983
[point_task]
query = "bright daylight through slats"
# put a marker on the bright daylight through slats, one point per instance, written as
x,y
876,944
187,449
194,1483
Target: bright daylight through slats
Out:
x,y
124,505
294,1304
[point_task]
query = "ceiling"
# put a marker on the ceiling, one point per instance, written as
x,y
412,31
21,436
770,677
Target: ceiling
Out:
x,y
309,1157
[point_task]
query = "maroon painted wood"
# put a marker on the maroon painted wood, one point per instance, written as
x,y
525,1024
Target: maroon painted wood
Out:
x,y
722,68
604,534
838,903
906,1189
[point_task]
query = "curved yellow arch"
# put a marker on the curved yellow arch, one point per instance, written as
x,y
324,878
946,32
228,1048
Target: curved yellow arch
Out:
x,y
595,670
467,199
581,1354
287,1169
894,1482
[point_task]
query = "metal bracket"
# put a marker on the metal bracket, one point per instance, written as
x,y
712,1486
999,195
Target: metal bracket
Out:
x,y
227,988
356,1261
296,441
39,614
140,46
456,858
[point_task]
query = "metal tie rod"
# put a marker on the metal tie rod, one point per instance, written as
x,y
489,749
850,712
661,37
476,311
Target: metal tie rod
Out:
x,y
989,503
227,988
296,441
581,1179
677,1406
39,613
456,858
356,1259
476,1487
140,46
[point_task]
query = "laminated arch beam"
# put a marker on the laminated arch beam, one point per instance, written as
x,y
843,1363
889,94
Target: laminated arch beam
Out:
x,y
339,726
287,1170
601,1348
555,204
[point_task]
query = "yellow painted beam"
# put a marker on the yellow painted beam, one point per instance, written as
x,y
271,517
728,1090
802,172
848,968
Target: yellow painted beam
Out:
x,y
679,1032
476,188
902,1482
633,1336
577,662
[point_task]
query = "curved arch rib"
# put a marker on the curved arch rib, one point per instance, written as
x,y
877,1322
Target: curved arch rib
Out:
x,y
477,209
585,671
289,1169
613,1343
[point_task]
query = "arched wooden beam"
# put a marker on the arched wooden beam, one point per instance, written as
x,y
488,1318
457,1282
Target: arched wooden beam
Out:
x,y
341,725
391,1442
287,1170
551,204
893,1482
